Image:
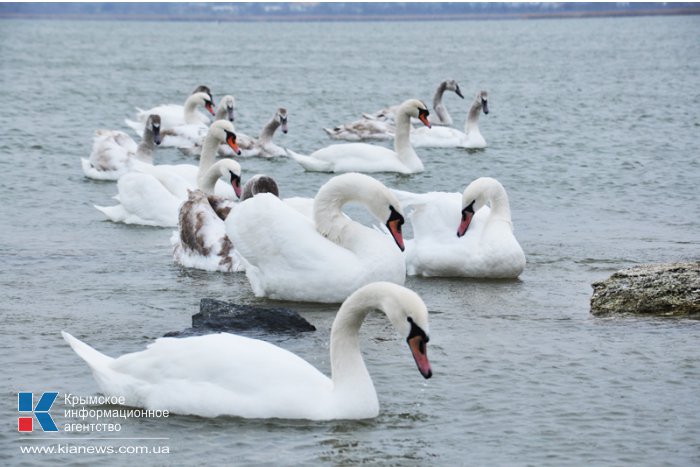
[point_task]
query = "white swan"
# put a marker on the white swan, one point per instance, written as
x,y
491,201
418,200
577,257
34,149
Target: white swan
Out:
x,y
440,116
201,241
292,257
444,137
173,115
190,138
479,244
363,157
113,151
152,195
380,125
227,374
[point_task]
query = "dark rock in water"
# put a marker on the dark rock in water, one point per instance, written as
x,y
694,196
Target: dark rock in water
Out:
x,y
219,316
671,289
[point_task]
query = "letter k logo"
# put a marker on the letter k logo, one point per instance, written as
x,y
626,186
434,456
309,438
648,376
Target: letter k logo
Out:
x,y
25,403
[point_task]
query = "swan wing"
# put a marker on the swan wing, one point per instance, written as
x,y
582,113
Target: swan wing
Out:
x,y
217,374
286,257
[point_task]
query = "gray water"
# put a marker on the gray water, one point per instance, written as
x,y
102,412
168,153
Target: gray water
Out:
x,y
593,131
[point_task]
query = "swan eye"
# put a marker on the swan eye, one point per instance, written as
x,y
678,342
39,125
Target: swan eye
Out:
x,y
395,216
469,209
417,331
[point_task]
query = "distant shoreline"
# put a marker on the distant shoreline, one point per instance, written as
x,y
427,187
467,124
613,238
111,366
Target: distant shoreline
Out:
x,y
356,18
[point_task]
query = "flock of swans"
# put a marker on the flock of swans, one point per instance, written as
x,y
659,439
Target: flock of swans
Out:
x,y
298,249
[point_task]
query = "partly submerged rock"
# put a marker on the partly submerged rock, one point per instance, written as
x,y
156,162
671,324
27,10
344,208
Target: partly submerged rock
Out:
x,y
670,289
220,316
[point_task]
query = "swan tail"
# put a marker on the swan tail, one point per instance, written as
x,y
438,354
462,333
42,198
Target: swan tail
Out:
x,y
113,213
136,126
92,357
330,132
309,163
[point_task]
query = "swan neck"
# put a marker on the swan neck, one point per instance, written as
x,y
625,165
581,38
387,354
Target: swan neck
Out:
x,y
440,110
208,155
144,151
207,182
402,140
348,370
269,130
473,118
500,207
190,115
328,215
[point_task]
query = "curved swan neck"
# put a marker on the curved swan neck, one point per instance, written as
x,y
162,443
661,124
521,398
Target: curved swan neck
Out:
x,y
190,111
498,201
328,215
208,155
473,117
269,130
440,110
347,365
207,181
144,151
402,142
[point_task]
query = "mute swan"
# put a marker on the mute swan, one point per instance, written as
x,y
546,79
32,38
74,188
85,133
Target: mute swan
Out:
x,y
363,157
380,125
444,137
113,151
440,117
264,146
289,256
201,241
173,116
482,244
189,139
362,130
226,109
152,195
228,374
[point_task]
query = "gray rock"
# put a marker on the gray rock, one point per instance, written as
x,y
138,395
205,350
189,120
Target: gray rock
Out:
x,y
219,316
670,289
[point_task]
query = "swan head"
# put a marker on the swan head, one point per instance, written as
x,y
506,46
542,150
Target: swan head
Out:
x,y
281,117
416,109
477,194
385,206
482,98
205,89
451,85
153,125
372,193
223,132
406,312
226,109
259,184
231,170
205,100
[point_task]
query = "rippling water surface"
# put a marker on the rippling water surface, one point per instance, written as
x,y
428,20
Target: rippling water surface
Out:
x,y
593,131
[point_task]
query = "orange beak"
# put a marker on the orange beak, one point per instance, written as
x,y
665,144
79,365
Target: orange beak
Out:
x,y
417,344
424,118
395,229
467,215
231,140
210,107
